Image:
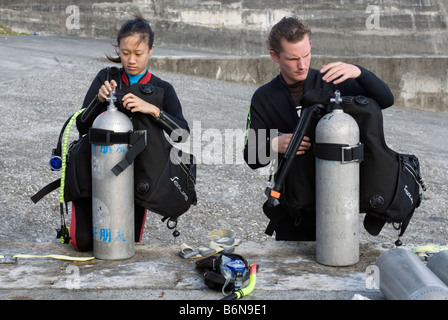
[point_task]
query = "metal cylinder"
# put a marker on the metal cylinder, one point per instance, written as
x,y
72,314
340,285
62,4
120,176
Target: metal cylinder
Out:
x,y
402,276
337,194
438,264
112,196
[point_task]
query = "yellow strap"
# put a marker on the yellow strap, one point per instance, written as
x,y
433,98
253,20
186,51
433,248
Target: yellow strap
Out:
x,y
54,256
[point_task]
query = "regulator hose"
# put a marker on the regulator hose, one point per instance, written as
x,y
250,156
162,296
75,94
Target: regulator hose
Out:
x,y
64,154
64,233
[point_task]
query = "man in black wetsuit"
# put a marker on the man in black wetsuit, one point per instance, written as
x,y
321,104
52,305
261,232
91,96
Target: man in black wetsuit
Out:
x,y
274,106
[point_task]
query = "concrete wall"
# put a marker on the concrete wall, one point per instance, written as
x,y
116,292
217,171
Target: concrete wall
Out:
x,y
417,82
404,41
341,27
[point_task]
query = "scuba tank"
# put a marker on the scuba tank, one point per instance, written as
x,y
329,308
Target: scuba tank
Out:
x,y
438,264
112,194
337,188
402,276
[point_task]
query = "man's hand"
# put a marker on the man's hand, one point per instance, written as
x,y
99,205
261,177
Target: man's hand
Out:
x,y
338,72
280,144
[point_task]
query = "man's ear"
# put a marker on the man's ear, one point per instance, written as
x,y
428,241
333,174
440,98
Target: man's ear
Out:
x,y
274,56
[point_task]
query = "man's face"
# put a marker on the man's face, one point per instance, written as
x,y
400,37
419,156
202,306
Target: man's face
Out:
x,y
294,60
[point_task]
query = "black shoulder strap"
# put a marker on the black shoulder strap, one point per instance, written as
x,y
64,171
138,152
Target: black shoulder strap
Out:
x,y
137,145
46,190
56,152
114,71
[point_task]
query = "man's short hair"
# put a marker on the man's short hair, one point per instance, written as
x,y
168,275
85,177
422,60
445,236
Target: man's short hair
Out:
x,y
291,29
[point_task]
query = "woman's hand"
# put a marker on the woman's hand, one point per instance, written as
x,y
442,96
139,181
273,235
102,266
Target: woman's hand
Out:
x,y
105,90
135,104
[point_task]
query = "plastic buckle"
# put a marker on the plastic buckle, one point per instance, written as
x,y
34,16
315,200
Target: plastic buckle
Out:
x,y
107,138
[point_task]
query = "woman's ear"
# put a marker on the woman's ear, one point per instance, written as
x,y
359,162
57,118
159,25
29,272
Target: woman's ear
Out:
x,y
151,50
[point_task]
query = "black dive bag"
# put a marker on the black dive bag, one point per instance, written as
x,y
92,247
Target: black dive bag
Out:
x,y
389,181
213,276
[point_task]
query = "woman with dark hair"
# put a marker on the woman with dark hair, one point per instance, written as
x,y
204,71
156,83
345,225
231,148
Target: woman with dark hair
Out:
x,y
152,105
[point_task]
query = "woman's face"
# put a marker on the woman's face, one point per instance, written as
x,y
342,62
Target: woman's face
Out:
x,y
134,54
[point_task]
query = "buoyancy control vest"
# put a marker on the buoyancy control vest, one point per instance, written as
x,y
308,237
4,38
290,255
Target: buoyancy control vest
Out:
x,y
390,182
164,177
160,167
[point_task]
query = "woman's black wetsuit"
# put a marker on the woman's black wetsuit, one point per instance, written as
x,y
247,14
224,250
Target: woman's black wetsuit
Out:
x,y
151,161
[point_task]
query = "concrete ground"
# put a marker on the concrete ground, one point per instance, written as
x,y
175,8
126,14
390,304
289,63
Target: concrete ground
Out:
x,y
43,81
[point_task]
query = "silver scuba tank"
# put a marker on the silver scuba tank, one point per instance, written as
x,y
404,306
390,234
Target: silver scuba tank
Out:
x,y
402,276
438,264
337,191
112,195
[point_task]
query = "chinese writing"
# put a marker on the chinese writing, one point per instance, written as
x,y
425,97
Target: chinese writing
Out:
x,y
118,148
107,235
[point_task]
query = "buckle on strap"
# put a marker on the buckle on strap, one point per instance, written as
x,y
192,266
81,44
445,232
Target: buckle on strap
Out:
x,y
354,153
339,152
